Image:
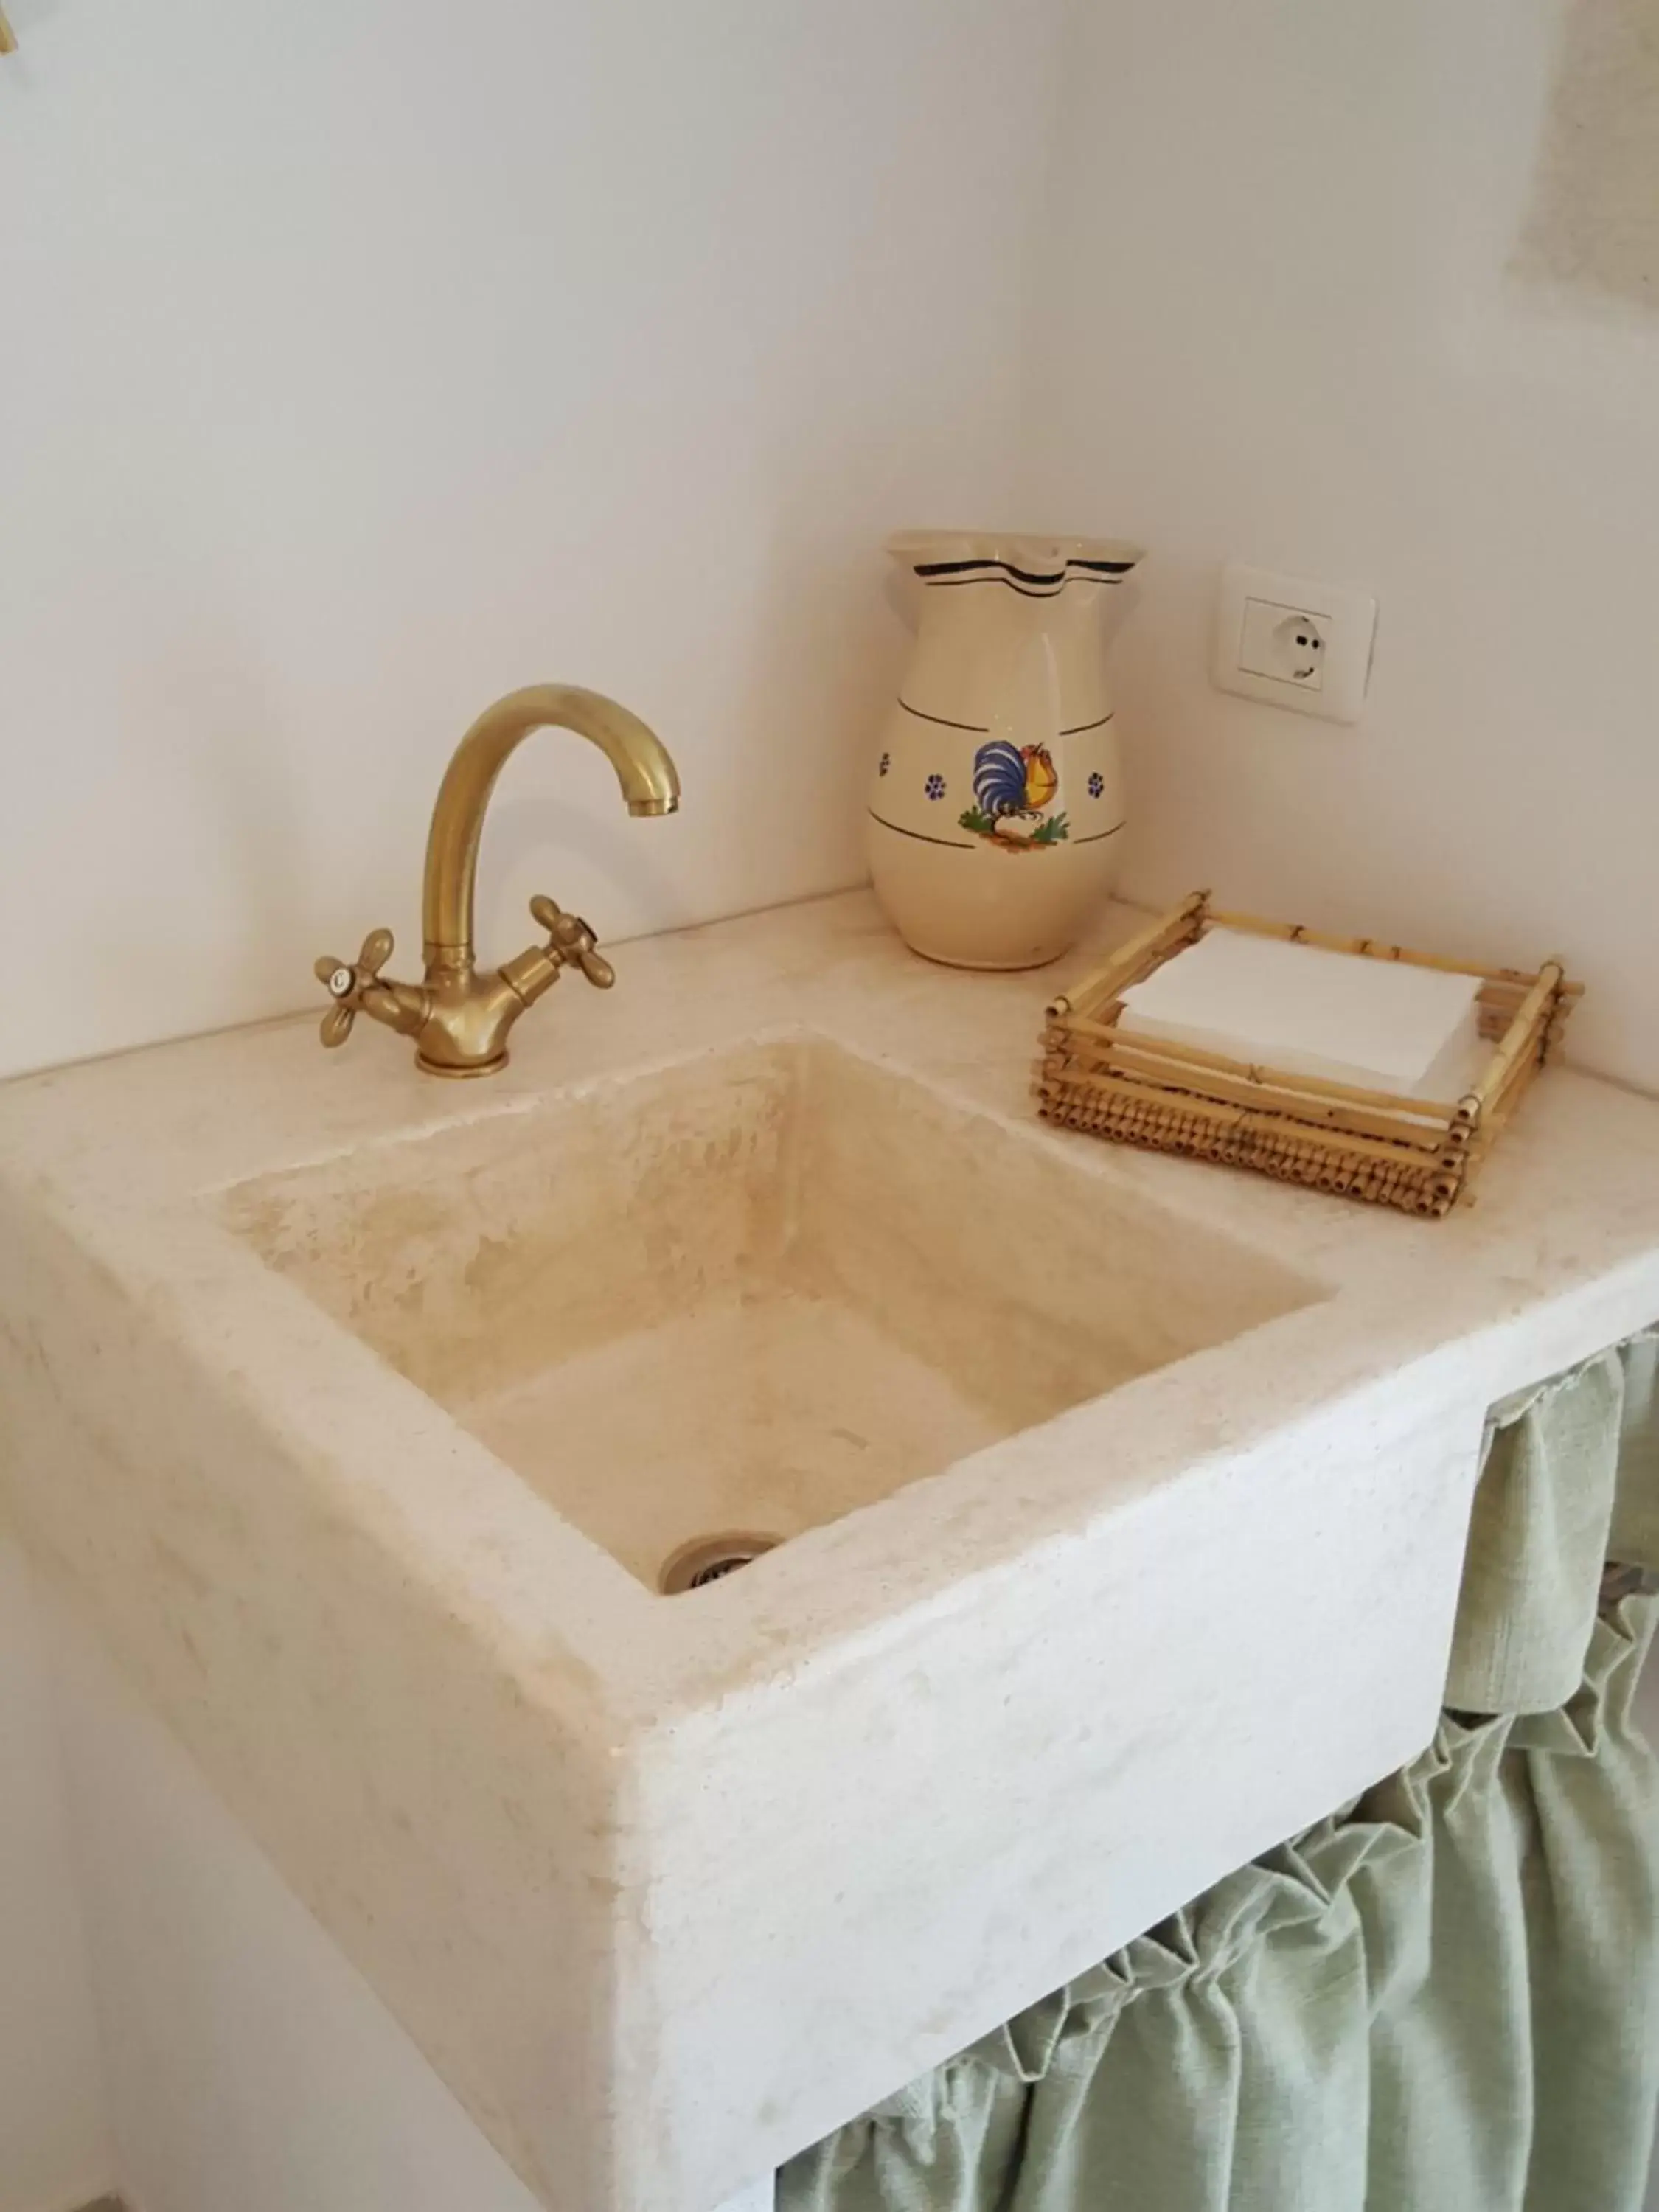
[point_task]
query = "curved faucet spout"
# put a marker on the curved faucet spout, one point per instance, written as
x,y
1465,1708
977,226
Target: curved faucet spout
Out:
x,y
460,1020
649,780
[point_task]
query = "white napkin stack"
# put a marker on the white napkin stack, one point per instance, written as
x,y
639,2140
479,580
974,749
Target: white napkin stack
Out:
x,y
1377,1025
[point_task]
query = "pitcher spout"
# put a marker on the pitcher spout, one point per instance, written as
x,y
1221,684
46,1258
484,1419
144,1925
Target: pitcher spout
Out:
x,y
1036,566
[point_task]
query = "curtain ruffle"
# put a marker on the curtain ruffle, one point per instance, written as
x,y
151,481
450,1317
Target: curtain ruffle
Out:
x,y
1569,1479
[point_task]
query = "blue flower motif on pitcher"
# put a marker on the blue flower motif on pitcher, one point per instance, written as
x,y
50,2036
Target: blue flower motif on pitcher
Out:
x,y
934,786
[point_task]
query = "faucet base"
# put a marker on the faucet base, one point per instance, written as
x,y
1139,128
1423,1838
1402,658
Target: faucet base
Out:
x,y
460,1074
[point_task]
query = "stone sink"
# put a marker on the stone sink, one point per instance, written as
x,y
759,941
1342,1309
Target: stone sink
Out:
x,y
1104,1512
749,1292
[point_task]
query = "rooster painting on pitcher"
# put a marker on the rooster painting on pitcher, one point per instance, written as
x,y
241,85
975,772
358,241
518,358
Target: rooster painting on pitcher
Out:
x,y
996,808
1013,785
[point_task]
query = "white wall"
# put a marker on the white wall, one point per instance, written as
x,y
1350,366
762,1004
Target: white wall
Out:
x,y
367,358
54,2151
1280,327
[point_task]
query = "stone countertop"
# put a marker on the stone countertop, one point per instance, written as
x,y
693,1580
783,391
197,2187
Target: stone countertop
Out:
x,y
714,1876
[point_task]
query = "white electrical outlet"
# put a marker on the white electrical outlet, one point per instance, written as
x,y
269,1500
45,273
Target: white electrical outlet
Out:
x,y
1301,645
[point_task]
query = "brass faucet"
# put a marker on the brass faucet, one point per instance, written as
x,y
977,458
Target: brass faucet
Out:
x,y
460,1020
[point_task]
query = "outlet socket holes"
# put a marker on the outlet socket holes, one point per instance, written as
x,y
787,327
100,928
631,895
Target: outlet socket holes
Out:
x,y
1285,642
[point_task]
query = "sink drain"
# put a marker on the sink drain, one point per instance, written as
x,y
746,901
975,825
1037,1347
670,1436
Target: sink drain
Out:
x,y
710,1558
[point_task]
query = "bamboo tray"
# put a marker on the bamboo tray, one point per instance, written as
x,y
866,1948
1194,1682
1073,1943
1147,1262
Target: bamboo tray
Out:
x,y
1416,1154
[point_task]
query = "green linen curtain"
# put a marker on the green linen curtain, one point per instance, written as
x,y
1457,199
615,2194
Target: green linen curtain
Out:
x,y
1444,1998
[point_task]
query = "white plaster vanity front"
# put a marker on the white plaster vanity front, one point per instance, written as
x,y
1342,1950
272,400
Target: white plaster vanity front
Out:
x,y
1123,1500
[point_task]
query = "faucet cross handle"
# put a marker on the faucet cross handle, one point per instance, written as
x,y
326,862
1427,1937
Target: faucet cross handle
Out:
x,y
569,939
346,981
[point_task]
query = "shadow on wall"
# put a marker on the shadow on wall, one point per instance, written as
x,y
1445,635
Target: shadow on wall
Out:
x,y
1594,222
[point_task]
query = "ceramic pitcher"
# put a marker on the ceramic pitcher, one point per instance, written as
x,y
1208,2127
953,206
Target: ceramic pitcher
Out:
x,y
996,805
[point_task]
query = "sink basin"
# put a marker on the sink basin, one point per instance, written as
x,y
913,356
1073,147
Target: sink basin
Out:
x,y
705,1301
